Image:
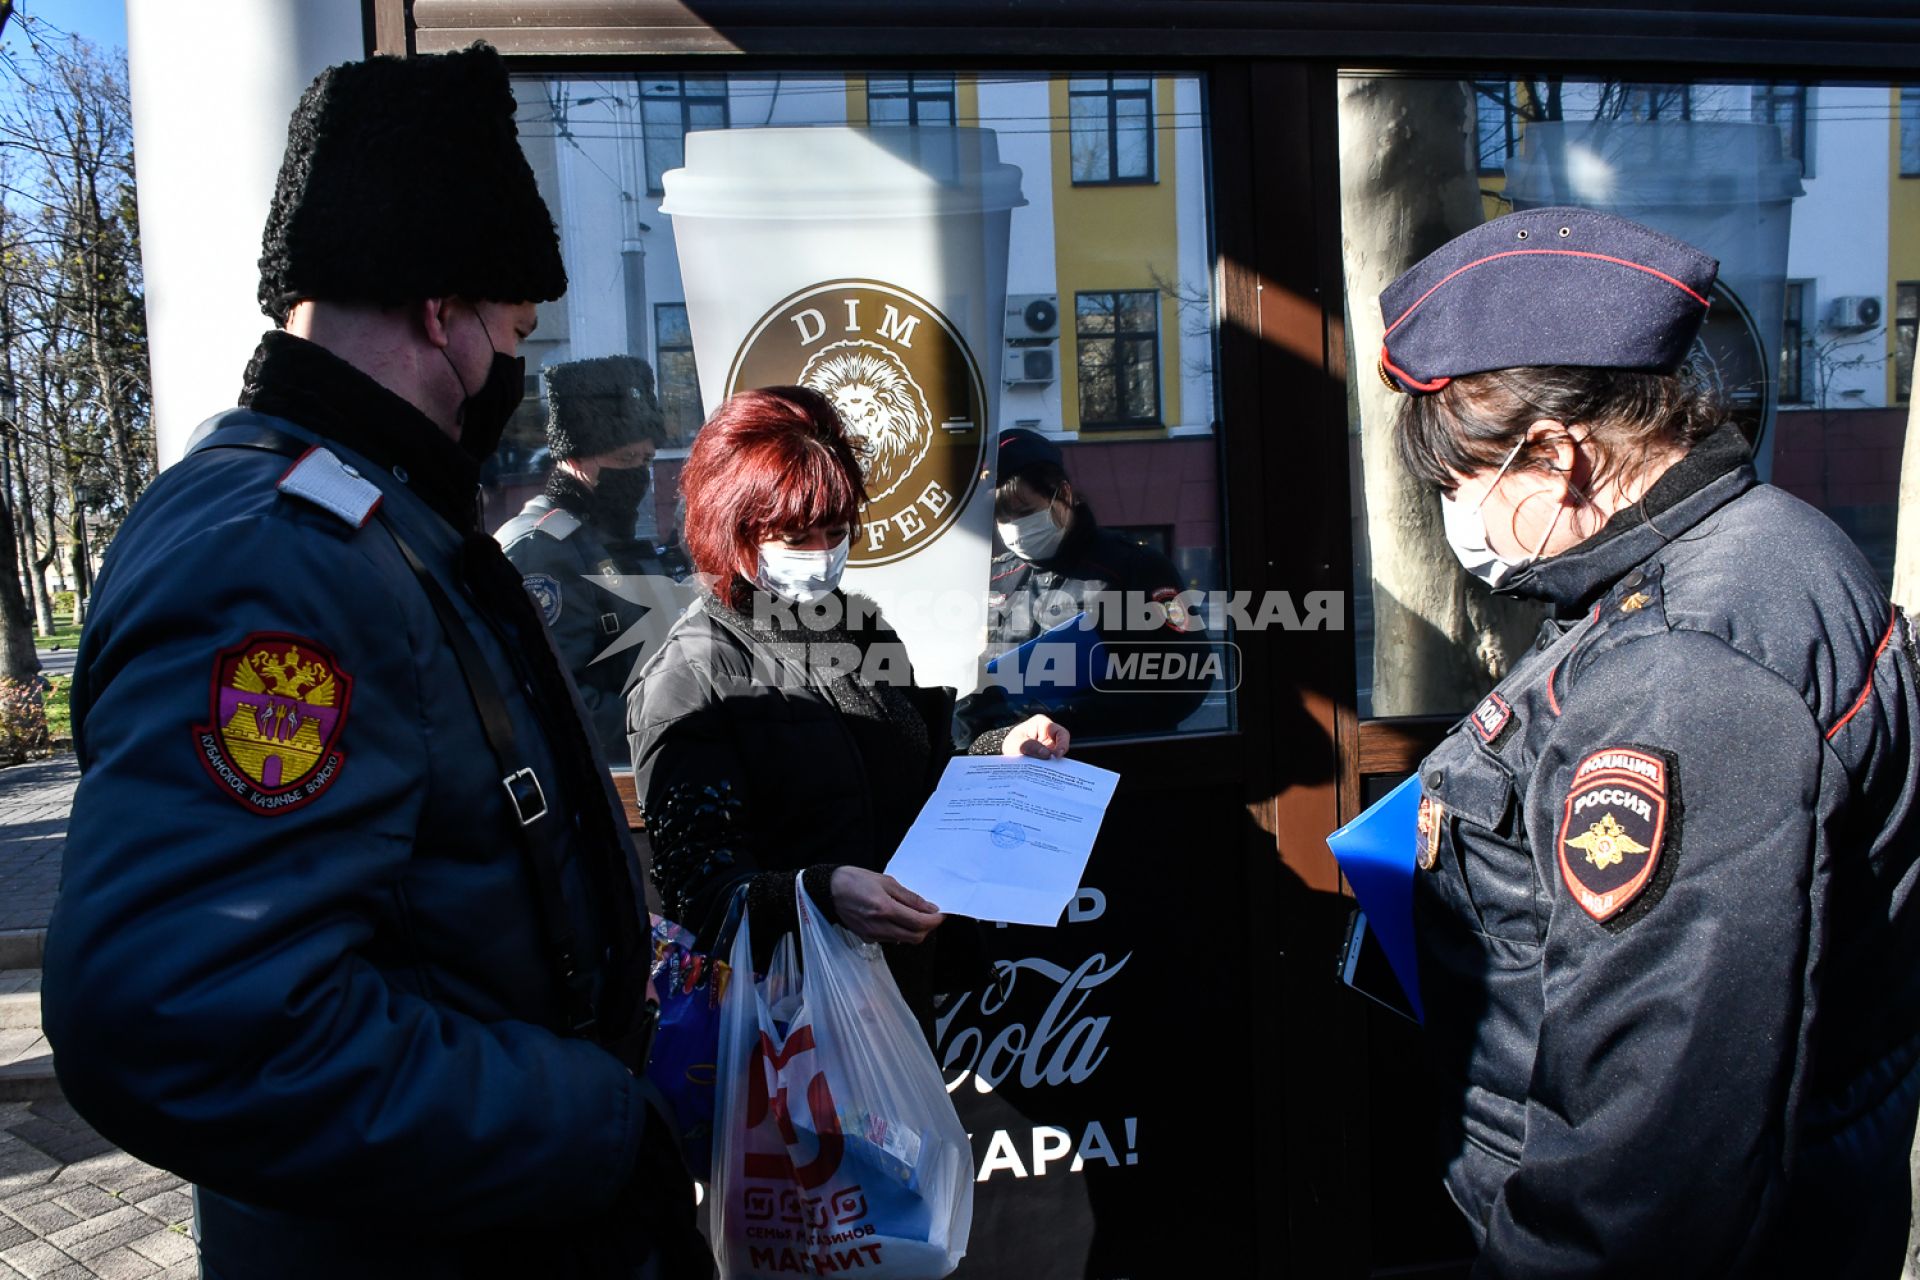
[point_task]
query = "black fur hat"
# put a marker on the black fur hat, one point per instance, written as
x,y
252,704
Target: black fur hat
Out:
x,y
597,405
404,179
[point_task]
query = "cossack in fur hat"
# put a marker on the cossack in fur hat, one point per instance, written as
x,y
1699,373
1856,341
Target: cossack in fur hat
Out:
x,y
597,405
1558,286
403,180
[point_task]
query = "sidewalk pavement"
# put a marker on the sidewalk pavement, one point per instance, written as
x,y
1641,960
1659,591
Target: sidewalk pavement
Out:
x,y
72,1207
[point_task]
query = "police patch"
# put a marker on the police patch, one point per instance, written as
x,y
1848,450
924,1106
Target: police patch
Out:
x,y
545,590
1426,850
1615,822
1491,716
279,703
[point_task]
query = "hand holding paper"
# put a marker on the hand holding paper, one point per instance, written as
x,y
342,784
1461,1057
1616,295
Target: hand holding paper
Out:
x,y
1005,838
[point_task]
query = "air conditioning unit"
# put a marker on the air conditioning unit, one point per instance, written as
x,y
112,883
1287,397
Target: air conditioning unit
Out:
x,y
1855,312
1033,317
1031,366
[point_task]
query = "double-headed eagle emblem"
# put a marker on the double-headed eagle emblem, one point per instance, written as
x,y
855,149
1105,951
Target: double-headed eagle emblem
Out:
x,y
1606,842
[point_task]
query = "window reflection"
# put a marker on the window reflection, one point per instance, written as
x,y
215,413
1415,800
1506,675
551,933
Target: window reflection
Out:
x,y
1806,195
1104,332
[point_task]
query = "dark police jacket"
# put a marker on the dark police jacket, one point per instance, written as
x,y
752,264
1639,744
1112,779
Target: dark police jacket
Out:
x,y
1669,950
295,957
587,595
1097,571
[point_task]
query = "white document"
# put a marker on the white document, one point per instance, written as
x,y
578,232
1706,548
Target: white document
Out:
x,y
1005,837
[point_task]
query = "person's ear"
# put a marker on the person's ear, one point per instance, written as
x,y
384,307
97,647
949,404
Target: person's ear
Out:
x,y
1563,455
1065,494
435,316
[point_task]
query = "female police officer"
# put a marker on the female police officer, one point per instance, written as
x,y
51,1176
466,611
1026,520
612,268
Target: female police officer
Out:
x,y
1668,948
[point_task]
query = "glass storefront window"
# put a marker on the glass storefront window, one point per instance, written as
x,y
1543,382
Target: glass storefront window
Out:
x,y
1073,300
1797,189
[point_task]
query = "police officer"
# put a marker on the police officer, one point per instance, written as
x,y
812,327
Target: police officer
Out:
x,y
1058,563
347,933
1669,952
574,544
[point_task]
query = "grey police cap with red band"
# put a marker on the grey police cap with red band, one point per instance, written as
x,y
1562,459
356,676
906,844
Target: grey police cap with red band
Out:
x,y
1545,287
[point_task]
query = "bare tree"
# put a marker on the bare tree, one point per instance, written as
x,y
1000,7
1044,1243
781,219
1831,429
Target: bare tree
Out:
x,y
1407,187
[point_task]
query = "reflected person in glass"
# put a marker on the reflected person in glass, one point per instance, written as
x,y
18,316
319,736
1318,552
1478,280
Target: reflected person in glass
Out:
x,y
779,730
574,543
1668,947
1057,564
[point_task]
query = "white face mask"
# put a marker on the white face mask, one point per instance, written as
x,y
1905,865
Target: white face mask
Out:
x,y
1033,537
801,576
1466,530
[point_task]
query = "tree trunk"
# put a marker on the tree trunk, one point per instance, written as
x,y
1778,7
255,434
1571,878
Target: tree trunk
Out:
x,y
1408,185
36,564
17,659
1906,546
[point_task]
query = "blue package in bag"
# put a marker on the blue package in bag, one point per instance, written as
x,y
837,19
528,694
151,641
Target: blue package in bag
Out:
x,y
683,1064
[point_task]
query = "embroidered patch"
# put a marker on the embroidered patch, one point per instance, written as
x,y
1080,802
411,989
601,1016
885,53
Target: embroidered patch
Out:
x,y
1491,716
1427,828
545,590
1179,617
1611,834
279,703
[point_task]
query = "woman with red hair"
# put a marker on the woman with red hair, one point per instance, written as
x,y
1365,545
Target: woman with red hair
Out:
x,y
779,729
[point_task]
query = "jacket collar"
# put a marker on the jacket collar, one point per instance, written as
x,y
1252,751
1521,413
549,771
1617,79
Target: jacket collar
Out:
x,y
1716,471
306,384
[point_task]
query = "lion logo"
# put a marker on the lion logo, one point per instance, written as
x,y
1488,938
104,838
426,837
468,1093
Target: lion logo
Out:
x,y
881,404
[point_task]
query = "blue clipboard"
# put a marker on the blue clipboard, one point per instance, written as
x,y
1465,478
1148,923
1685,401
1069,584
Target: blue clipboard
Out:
x,y
1376,854
1054,665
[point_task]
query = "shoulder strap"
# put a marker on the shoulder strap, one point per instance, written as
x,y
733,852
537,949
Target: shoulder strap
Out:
x,y
537,830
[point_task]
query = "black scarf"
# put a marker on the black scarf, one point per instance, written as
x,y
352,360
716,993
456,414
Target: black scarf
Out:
x,y
303,382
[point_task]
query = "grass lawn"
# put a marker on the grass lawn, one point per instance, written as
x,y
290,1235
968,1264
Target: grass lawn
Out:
x,y
65,636
59,711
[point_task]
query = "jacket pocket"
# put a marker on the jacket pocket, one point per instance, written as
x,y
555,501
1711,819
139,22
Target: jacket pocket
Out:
x,y
1484,849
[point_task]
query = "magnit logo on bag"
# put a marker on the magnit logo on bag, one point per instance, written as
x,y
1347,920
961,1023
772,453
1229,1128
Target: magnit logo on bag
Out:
x,y
908,389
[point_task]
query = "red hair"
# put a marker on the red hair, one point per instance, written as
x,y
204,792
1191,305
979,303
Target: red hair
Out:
x,y
768,462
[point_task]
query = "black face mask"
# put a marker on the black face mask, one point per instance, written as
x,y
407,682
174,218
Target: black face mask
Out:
x,y
483,414
617,496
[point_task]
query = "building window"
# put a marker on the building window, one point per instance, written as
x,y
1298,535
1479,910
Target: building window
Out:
x,y
910,100
670,108
1906,324
1784,106
1110,129
1910,131
1645,102
674,371
1119,345
1793,343
1494,132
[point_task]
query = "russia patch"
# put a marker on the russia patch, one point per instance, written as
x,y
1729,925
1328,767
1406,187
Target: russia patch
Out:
x,y
279,703
1612,832
545,590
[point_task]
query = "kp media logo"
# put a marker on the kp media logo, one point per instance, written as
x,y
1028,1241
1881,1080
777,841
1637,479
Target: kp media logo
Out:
x,y
905,385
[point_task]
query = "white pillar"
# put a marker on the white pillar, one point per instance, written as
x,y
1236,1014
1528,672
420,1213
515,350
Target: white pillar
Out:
x,y
212,84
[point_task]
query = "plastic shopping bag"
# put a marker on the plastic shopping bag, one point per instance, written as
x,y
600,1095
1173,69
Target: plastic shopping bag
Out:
x,y
836,1148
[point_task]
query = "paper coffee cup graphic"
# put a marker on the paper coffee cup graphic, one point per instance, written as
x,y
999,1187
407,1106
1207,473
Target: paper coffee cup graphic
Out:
x,y
871,265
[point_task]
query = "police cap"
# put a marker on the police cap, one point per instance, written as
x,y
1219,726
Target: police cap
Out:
x,y
1021,450
1556,286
